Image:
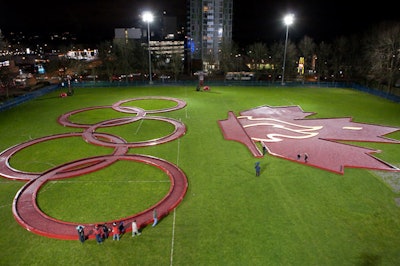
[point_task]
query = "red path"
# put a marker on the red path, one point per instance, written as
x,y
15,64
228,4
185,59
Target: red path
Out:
x,y
25,208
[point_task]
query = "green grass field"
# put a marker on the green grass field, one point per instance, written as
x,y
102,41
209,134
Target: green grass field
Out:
x,y
292,214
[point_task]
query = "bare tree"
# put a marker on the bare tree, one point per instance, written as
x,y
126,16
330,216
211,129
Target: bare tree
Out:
x,y
307,49
122,53
323,64
258,54
176,65
107,58
383,53
6,81
276,51
341,52
227,56
292,60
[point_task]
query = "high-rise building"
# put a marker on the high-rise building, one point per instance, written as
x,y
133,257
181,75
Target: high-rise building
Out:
x,y
209,27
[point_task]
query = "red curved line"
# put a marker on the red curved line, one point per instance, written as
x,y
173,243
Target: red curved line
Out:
x,y
180,130
29,215
9,172
179,104
25,208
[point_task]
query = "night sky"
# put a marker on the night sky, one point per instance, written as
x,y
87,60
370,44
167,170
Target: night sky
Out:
x,y
254,20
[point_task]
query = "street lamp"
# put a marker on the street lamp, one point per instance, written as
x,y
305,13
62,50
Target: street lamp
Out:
x,y
288,20
148,17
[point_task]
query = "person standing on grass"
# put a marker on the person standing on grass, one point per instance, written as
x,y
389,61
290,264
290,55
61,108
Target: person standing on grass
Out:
x,y
264,149
97,233
115,231
135,230
258,168
81,233
155,218
106,231
121,228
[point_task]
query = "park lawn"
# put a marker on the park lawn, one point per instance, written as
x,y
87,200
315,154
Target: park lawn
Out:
x,y
291,215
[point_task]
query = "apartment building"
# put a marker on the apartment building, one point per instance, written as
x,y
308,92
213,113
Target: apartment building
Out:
x,y
209,25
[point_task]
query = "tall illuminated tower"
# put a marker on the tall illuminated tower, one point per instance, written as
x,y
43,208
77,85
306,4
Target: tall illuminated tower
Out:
x,y
209,26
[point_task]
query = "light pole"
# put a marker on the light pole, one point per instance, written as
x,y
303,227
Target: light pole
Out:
x,y
148,17
288,20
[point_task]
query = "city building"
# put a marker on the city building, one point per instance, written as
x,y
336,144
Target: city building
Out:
x,y
209,26
166,40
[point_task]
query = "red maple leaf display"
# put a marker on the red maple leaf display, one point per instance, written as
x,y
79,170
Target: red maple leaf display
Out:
x,y
284,132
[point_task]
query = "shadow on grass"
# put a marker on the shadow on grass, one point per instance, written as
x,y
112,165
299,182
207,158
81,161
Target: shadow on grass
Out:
x,y
367,259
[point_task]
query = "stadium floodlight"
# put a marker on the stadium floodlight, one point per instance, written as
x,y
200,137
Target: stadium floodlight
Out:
x,y
148,17
288,20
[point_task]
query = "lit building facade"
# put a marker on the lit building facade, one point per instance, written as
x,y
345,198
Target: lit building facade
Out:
x,y
209,26
166,40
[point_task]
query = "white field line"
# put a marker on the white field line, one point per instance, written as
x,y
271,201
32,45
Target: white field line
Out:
x,y
140,125
172,239
174,217
47,187
44,163
6,182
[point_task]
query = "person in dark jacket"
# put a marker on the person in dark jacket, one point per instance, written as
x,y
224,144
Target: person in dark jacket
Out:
x,y
81,233
106,231
258,168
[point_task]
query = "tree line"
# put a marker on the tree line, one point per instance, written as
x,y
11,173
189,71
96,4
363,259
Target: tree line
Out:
x,y
371,58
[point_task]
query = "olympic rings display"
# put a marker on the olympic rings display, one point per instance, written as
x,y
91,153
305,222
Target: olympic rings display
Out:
x,y
25,208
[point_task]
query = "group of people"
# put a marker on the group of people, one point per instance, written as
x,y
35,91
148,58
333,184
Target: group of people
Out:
x,y
305,157
102,232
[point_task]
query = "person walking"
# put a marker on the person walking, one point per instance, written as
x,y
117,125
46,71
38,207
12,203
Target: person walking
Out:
x,y
135,230
155,218
97,233
81,233
258,168
115,231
